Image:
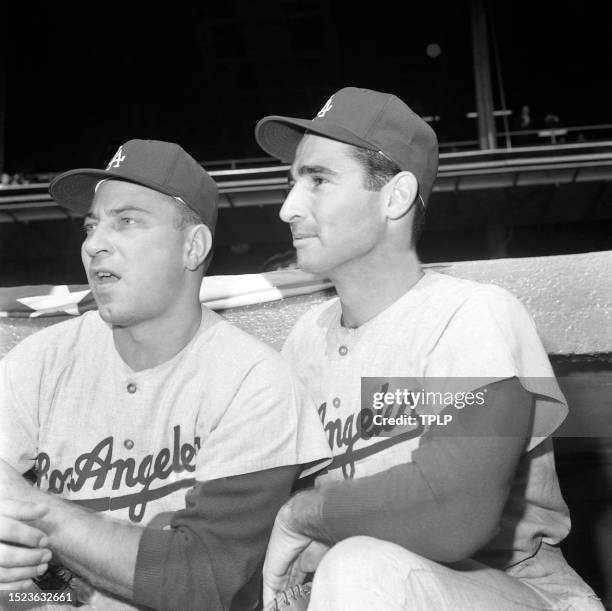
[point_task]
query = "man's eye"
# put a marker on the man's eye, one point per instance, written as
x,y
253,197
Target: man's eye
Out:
x,y
127,220
88,228
317,181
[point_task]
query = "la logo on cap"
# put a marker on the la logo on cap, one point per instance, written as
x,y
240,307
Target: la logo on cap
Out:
x,y
328,106
116,161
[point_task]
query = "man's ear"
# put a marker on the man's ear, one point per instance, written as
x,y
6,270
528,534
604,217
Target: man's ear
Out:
x,y
402,191
198,243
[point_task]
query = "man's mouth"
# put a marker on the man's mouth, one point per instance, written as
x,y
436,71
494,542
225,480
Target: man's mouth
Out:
x,y
103,276
302,236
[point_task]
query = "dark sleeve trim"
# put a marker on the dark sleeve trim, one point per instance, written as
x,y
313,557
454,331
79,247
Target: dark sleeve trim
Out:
x,y
447,502
215,546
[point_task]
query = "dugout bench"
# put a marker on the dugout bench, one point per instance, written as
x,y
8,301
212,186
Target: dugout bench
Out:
x,y
570,298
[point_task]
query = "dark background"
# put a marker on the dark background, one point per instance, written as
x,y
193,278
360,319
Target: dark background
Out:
x,y
77,80
80,81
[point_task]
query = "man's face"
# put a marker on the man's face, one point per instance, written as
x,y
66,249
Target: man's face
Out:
x,y
133,253
336,223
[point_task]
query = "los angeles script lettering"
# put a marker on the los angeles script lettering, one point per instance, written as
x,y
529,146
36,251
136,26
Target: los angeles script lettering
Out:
x,y
344,434
99,467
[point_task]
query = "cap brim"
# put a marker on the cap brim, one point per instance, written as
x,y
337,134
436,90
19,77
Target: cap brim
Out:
x,y
279,136
75,189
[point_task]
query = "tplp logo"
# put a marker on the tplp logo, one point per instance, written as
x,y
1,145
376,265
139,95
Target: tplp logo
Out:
x,y
116,161
328,106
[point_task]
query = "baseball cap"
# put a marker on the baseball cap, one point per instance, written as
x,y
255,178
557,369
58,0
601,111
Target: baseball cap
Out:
x,y
365,118
162,166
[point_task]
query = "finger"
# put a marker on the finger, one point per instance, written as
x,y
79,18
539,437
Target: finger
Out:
x,y
312,555
296,578
14,531
276,582
11,575
22,510
296,575
17,585
11,556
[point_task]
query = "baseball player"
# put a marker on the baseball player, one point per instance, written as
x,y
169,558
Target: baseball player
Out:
x,y
162,438
445,506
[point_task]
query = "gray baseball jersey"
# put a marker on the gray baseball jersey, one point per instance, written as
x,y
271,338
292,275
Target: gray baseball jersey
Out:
x,y
130,443
457,333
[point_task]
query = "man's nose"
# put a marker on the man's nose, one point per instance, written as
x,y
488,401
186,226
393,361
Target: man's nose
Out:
x,y
292,207
97,241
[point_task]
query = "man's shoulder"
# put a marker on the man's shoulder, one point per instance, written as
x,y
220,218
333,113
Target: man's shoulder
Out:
x,y
459,291
230,359
63,336
482,318
228,343
443,282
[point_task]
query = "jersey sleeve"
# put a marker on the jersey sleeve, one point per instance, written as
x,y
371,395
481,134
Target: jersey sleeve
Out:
x,y
19,407
453,479
209,555
492,337
270,422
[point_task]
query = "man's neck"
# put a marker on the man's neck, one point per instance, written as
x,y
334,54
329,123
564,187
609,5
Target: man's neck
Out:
x,y
365,291
154,342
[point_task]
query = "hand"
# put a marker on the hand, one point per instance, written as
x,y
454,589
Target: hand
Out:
x,y
18,565
307,562
284,548
13,484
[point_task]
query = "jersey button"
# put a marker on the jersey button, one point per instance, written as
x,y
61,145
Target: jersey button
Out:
x,y
131,388
129,444
343,350
336,402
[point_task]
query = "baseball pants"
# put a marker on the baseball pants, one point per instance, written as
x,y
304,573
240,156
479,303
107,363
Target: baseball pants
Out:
x,y
362,573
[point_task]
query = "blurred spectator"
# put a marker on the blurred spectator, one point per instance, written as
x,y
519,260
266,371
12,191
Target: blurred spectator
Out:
x,y
15,179
552,123
523,123
525,118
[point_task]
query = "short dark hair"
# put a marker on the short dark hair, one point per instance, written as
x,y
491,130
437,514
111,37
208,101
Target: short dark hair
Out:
x,y
185,217
378,171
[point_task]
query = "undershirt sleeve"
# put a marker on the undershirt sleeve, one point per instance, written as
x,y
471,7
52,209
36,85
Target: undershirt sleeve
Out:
x,y
215,546
446,503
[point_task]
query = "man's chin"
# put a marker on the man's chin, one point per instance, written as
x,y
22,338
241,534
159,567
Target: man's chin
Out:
x,y
311,267
106,316
112,316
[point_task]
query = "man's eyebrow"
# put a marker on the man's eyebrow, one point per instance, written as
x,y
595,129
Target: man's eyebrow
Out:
x,y
117,211
129,208
306,170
